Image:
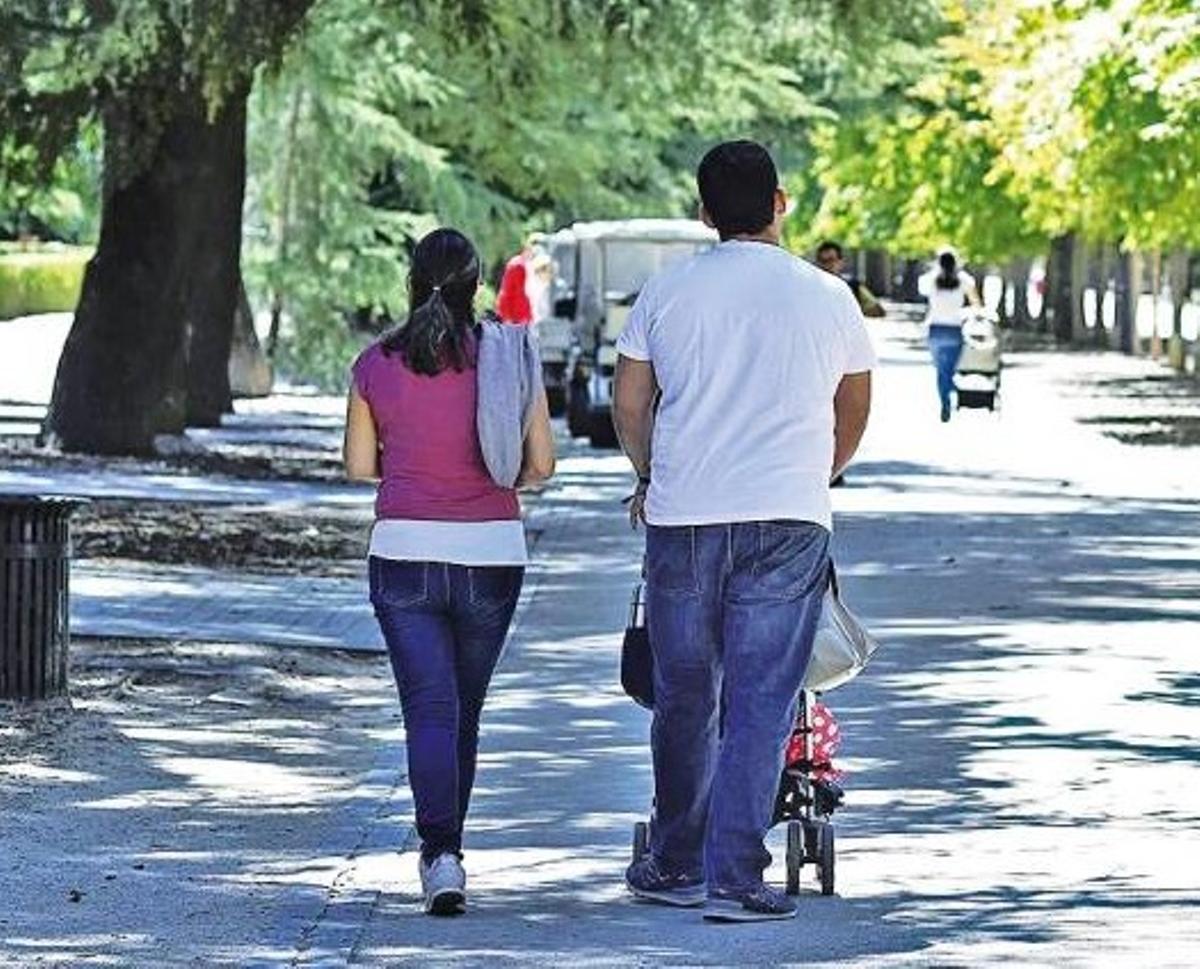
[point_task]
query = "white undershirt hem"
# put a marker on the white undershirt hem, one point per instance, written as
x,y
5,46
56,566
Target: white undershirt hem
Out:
x,y
455,543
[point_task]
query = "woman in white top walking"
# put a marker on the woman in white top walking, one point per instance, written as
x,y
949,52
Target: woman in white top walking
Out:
x,y
948,288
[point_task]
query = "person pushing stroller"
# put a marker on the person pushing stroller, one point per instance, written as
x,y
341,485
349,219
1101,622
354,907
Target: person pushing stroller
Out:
x,y
763,365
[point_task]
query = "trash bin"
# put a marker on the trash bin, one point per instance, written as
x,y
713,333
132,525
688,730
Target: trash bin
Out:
x,y
35,551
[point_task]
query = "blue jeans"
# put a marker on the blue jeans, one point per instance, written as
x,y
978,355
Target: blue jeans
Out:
x,y
946,345
445,627
732,611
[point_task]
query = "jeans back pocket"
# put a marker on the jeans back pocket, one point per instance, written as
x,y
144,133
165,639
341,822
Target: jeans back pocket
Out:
x,y
494,586
671,566
398,584
791,561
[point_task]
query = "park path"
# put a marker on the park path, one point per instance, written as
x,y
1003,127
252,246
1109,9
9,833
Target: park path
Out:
x,y
1021,758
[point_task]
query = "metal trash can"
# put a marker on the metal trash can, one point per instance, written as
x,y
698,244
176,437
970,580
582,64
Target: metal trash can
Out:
x,y
35,552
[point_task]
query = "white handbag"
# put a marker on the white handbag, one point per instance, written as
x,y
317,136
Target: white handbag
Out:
x,y
842,647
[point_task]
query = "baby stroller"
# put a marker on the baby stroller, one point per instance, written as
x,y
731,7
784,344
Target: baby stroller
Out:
x,y
808,791
977,378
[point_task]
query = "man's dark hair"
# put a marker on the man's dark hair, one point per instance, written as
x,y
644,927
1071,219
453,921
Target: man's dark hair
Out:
x,y
830,244
737,182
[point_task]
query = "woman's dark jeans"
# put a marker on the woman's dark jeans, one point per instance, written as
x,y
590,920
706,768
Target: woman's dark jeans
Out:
x,y
946,346
445,627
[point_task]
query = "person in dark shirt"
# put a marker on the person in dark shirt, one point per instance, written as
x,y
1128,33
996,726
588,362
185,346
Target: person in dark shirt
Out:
x,y
831,258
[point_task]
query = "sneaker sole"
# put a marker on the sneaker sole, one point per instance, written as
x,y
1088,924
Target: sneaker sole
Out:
x,y
449,901
679,899
720,910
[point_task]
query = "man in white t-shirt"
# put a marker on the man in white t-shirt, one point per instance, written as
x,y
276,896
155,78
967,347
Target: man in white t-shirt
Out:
x,y
763,366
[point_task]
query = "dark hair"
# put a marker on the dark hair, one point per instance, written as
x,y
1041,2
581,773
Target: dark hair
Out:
x,y
830,244
737,182
442,279
948,277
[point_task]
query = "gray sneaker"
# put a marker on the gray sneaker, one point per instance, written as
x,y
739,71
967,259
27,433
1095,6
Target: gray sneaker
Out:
x,y
759,904
648,881
445,885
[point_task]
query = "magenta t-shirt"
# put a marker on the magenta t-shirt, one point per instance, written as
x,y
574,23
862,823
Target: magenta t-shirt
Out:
x,y
430,459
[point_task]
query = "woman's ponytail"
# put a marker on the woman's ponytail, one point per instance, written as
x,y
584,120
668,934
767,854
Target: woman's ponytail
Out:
x,y
442,284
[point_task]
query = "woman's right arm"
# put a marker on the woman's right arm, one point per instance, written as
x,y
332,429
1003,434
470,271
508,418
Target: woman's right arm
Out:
x,y
360,447
972,291
537,462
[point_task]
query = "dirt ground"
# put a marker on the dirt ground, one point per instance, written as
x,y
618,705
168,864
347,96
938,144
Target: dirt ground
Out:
x,y
314,541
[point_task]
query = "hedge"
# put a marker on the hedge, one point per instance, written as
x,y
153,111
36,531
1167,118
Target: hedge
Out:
x,y
41,281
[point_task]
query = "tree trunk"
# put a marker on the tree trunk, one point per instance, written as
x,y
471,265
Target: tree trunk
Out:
x,y
1097,278
909,293
283,227
877,273
1177,273
249,370
1126,300
219,171
1019,272
161,272
1061,309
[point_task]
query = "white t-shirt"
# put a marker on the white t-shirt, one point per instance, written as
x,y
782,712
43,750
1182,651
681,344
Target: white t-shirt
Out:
x,y
748,344
945,305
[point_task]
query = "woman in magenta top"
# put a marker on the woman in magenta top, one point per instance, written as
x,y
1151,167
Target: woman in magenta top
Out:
x,y
447,553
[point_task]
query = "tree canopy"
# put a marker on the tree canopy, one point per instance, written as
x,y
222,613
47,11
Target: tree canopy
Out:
x,y
1033,120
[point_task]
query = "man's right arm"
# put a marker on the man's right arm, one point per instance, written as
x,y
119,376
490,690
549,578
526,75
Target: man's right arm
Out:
x,y
851,408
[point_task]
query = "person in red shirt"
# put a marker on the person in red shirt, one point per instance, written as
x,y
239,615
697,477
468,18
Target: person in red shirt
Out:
x,y
512,302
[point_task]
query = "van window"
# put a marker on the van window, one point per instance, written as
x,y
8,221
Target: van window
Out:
x,y
628,263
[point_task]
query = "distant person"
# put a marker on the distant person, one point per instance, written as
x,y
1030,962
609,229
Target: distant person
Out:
x,y
830,257
539,282
512,300
763,365
949,288
447,552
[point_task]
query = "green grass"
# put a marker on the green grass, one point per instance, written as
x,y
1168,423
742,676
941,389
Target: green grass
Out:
x,y
40,280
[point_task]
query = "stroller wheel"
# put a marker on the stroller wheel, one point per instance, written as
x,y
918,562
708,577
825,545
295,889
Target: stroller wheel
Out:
x,y
825,858
795,856
641,841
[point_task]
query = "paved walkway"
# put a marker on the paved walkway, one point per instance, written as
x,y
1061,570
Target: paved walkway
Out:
x,y
212,605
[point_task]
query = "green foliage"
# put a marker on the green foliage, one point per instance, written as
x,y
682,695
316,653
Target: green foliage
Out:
x,y
66,206
66,62
1034,120
500,118
41,281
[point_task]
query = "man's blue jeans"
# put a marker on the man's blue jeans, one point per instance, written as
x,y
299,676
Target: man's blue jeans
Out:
x,y
946,346
445,627
732,611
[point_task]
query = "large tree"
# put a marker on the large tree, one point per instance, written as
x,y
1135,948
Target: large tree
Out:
x,y
168,81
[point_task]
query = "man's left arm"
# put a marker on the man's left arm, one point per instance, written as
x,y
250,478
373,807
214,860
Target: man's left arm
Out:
x,y
852,399
851,408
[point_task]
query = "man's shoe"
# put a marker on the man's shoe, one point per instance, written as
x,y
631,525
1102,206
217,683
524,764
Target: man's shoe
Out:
x,y
646,880
445,885
759,904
